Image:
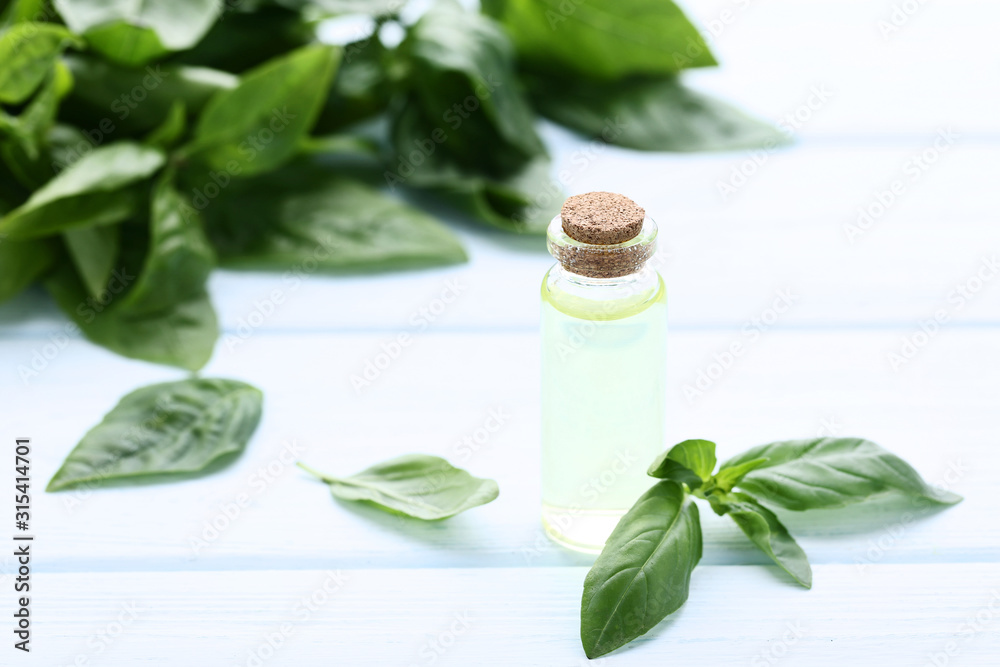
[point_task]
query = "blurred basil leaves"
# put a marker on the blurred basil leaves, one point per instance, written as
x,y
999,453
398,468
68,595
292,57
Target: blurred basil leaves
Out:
x,y
142,144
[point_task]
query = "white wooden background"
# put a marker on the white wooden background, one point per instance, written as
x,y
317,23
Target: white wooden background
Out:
x,y
118,582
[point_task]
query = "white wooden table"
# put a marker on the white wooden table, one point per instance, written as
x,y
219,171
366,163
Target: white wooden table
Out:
x,y
298,579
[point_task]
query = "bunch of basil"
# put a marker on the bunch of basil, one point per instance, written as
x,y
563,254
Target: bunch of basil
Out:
x,y
644,571
142,144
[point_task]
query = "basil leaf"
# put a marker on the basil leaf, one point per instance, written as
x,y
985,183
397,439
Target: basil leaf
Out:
x,y
170,131
606,39
133,33
691,462
305,212
21,263
257,125
831,472
58,146
361,88
644,571
245,39
113,100
465,128
522,201
727,478
93,251
463,78
767,533
169,428
88,192
370,7
416,485
650,114
166,316
28,51
29,129
18,11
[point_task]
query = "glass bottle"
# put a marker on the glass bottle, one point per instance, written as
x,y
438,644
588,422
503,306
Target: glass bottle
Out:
x,y
603,368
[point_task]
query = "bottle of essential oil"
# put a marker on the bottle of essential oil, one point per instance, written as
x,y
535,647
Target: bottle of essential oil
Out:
x,y
604,325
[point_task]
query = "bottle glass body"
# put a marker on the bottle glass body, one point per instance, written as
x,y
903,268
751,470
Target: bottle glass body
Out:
x,y
603,399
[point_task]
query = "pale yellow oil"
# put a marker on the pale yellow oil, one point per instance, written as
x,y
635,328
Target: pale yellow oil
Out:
x,y
603,376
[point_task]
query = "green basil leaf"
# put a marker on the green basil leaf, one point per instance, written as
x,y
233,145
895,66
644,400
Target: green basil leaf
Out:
x,y
133,33
415,485
257,125
522,201
691,462
644,571
93,251
831,472
606,39
111,100
769,535
168,428
21,263
727,478
651,114
305,212
464,82
370,7
361,88
170,131
12,192
166,317
29,129
19,11
245,39
60,146
27,53
91,191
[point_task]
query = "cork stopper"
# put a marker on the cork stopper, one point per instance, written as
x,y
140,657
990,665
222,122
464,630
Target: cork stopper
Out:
x,y
602,235
601,218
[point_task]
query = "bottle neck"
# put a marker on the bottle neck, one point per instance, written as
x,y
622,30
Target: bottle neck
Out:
x,y
601,298
593,262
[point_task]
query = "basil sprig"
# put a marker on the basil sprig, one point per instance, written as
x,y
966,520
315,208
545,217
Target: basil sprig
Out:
x,y
644,571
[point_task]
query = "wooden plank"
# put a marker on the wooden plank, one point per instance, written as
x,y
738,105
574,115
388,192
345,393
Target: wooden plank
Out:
x,y
937,412
892,614
884,81
723,260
